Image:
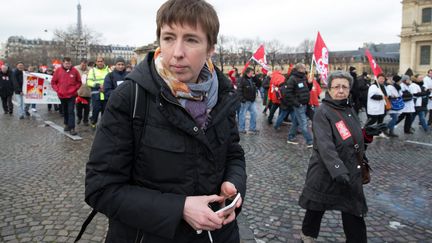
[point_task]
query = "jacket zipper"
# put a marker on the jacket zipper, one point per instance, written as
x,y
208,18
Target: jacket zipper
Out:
x,y
137,235
197,165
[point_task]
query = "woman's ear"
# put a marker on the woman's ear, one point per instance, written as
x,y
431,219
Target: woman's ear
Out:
x,y
210,52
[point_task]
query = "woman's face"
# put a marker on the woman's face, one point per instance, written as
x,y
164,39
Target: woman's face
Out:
x,y
339,89
184,50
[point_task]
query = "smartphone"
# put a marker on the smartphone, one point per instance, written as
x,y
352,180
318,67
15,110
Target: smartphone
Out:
x,y
231,205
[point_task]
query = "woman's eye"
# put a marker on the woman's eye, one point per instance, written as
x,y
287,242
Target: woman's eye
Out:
x,y
192,40
167,38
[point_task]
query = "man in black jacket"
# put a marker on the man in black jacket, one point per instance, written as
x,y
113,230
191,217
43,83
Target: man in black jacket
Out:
x,y
6,89
298,88
18,84
116,77
165,185
247,90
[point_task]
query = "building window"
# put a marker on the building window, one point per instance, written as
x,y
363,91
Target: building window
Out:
x,y
427,15
425,55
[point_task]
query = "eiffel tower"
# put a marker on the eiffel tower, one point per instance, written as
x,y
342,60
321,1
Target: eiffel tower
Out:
x,y
81,41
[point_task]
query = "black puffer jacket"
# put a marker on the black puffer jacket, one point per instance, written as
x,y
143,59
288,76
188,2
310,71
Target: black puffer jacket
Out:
x,y
298,89
18,81
144,198
246,89
333,156
112,80
6,84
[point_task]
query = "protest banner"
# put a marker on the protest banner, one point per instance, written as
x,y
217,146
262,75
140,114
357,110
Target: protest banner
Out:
x,y
37,89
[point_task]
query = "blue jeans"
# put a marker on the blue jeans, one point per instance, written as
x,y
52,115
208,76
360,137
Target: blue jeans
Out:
x,y
300,120
282,115
392,122
22,108
422,119
247,106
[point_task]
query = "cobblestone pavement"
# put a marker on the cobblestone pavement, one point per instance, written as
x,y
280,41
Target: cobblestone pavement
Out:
x,y
42,172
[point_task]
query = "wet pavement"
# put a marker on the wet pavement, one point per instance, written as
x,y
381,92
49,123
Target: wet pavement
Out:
x,y
42,186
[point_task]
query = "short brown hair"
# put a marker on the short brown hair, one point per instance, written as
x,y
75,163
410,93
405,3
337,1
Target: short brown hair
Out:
x,y
190,12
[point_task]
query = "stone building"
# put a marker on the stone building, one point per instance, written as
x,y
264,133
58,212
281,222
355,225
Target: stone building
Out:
x,y
416,36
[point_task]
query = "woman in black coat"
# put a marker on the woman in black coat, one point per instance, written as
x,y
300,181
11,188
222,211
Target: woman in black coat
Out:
x,y
6,89
334,180
166,186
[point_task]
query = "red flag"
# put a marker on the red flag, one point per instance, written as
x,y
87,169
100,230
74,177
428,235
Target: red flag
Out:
x,y
376,69
290,68
320,58
260,57
56,63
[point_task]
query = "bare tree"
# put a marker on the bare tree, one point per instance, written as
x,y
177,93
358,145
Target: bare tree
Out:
x,y
274,47
306,47
222,49
246,49
77,43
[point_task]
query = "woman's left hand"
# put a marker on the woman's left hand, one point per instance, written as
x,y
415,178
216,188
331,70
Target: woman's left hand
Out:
x,y
228,190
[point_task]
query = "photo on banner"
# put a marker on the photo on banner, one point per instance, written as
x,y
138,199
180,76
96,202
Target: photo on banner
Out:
x,y
37,89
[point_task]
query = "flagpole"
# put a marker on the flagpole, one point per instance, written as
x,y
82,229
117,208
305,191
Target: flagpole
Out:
x,y
311,66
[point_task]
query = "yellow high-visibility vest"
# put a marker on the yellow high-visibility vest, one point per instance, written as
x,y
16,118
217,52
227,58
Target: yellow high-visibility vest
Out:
x,y
95,78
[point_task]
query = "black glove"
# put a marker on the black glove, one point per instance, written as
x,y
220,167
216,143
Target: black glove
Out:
x,y
342,179
376,129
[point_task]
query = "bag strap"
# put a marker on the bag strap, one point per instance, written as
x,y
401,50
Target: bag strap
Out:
x,y
85,224
139,113
139,121
356,145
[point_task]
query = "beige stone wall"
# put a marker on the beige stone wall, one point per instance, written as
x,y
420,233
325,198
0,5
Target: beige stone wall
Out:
x,y
414,34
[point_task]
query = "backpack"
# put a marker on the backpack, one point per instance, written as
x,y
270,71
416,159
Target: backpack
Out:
x,y
139,117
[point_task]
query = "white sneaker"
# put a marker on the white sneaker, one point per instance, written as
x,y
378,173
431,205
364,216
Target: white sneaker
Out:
x,y
306,239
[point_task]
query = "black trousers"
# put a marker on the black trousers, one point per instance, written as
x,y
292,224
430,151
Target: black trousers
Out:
x,y
69,111
273,109
98,106
354,227
7,104
372,119
83,111
408,120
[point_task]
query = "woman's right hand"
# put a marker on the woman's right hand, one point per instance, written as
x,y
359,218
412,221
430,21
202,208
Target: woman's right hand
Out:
x,y
343,179
199,215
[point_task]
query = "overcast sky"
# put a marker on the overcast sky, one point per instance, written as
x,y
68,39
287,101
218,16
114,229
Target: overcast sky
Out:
x,y
344,24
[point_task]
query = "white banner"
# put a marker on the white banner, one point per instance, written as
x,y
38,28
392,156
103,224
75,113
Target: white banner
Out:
x,y
37,89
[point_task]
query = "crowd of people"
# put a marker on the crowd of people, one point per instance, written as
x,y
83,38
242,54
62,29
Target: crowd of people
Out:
x,y
296,95
82,88
167,158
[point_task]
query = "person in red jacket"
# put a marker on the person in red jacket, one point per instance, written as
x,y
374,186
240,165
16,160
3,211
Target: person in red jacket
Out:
x,y
314,99
66,82
274,93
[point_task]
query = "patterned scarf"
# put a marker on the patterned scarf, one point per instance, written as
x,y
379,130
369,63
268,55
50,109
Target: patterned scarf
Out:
x,y
197,98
